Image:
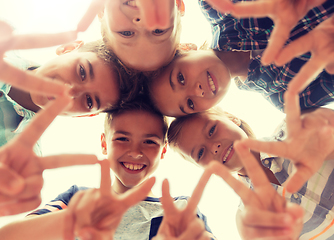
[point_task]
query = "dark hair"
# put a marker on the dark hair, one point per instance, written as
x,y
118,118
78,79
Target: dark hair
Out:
x,y
130,83
140,103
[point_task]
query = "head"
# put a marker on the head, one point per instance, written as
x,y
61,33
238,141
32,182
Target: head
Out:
x,y
209,136
125,29
93,72
193,82
133,142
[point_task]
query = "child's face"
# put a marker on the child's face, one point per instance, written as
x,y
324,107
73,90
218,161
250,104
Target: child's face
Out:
x,y
209,137
191,83
137,46
94,86
134,146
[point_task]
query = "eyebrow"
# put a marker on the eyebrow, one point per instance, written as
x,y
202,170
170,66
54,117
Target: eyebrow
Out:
x,y
182,109
91,71
172,85
97,99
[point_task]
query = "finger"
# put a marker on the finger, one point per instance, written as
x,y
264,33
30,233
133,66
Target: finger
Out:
x,y
224,6
198,191
276,42
10,182
292,110
85,208
274,148
68,232
19,206
294,49
239,188
194,230
307,74
32,188
95,7
27,81
66,160
28,41
167,201
105,185
298,178
89,233
41,121
148,13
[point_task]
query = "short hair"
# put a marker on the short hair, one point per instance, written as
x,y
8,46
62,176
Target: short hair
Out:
x,y
176,125
140,103
130,83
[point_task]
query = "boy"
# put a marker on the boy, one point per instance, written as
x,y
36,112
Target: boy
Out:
x,y
143,34
134,143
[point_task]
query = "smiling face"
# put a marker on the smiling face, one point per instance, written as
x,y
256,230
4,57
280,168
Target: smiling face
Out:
x,y
193,82
94,85
134,145
208,137
137,46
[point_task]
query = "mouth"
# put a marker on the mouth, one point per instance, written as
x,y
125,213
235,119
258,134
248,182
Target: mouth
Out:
x,y
50,98
134,167
131,3
212,83
228,154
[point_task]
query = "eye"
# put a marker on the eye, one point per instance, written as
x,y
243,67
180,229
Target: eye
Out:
x,y
122,139
150,142
126,33
190,104
180,78
200,154
212,130
82,73
89,102
158,32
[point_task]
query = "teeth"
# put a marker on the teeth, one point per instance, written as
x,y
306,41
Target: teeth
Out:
x,y
133,166
227,153
212,85
131,3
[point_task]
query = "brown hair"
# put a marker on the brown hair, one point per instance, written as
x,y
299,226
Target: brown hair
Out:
x,y
140,103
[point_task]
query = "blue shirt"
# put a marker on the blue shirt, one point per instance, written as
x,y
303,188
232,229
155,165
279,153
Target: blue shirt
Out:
x,y
251,34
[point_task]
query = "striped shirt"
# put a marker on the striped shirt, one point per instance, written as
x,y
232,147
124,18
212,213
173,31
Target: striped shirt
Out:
x,y
252,34
316,196
13,117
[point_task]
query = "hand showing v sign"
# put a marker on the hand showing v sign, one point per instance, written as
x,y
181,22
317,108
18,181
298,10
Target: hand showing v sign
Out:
x,y
21,169
25,80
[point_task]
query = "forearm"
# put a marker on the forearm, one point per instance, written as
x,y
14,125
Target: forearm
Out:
x,y
48,226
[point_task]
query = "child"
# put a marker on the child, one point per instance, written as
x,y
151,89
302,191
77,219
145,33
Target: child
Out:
x,y
196,81
210,136
129,28
134,143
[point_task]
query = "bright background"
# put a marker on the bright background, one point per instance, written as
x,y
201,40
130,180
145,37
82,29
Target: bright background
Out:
x,y
82,135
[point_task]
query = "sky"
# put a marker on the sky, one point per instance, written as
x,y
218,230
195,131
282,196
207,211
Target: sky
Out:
x,y
82,135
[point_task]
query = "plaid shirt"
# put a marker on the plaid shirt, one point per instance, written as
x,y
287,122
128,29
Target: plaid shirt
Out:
x,y
315,196
251,34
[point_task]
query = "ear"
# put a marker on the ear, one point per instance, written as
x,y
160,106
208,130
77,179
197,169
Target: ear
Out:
x,y
180,5
103,144
69,47
100,15
163,152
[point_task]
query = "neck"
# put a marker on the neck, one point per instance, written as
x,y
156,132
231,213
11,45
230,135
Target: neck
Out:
x,y
119,188
236,61
270,175
23,98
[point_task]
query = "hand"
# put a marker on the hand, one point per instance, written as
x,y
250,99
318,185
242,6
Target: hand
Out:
x,y
284,13
96,213
265,214
177,223
320,42
21,191
23,79
309,142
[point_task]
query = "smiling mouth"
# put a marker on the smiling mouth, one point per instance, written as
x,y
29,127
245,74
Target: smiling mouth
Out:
x,y
228,154
211,83
133,167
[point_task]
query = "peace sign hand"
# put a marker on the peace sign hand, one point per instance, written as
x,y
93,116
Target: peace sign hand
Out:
x,y
23,79
96,213
310,141
21,192
179,223
265,214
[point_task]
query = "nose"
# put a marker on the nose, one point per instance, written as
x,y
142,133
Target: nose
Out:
x,y
77,90
135,152
137,21
215,147
199,92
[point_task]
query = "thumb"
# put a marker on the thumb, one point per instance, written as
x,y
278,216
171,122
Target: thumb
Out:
x,y
10,182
